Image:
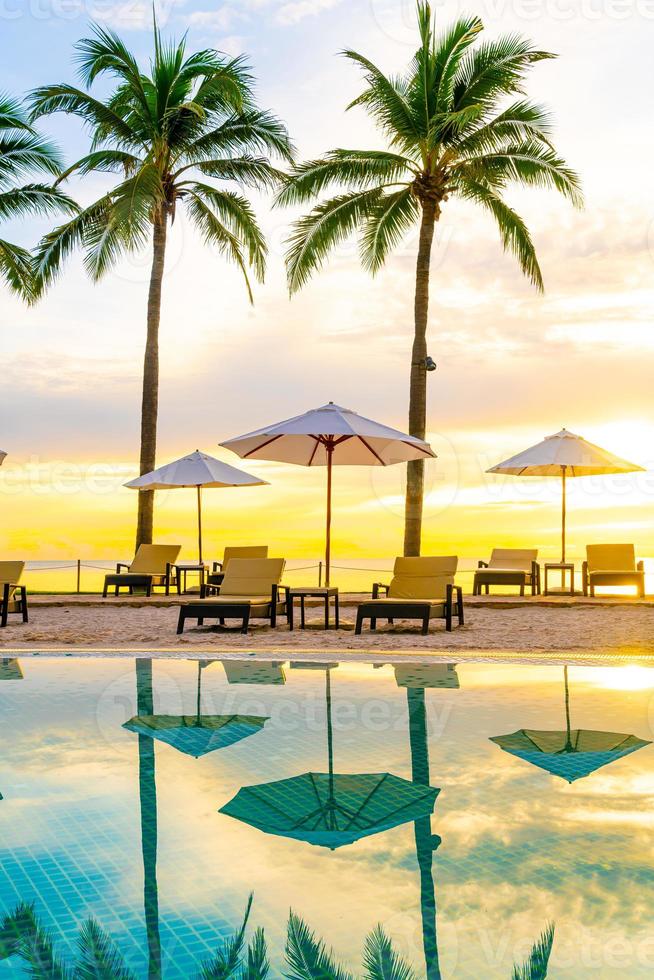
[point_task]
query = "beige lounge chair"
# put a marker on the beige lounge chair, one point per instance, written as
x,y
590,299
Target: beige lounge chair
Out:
x,y
153,567
219,567
612,564
509,566
250,590
13,596
421,588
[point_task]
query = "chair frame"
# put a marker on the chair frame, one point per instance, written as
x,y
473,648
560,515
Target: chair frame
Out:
x,y
592,579
21,602
231,610
410,609
131,580
486,576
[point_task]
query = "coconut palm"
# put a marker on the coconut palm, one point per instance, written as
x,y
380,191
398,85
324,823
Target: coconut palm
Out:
x,y
24,153
457,125
163,132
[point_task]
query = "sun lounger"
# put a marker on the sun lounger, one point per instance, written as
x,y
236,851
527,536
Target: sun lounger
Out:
x,y
153,567
421,588
612,564
509,566
250,590
13,597
217,573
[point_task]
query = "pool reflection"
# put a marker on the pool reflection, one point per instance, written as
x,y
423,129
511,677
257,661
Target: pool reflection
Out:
x,y
506,848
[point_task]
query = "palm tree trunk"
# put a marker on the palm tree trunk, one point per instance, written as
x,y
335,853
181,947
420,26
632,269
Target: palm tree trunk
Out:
x,y
150,398
418,385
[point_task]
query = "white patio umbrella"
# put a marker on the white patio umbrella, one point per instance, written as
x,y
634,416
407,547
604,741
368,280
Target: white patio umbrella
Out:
x,y
564,454
330,436
195,470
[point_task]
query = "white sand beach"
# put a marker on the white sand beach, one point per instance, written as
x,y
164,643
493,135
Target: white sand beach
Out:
x,y
603,627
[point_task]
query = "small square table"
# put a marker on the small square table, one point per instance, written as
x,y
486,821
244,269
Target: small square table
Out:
x,y
182,573
564,567
311,592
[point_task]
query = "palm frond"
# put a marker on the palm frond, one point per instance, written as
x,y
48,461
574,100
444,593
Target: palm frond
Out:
x,y
258,965
381,961
226,961
446,60
316,234
12,114
24,153
234,211
494,69
537,963
520,121
57,245
216,234
125,225
530,164
101,118
386,99
35,199
513,231
36,948
103,161
99,958
249,171
252,131
307,956
389,222
354,169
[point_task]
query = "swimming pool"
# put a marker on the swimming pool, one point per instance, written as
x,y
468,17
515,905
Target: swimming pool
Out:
x,y
463,807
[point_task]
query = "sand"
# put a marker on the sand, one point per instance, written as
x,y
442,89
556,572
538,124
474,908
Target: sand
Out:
x,y
609,628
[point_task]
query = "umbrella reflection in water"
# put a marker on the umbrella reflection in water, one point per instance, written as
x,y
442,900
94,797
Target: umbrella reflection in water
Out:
x,y
572,753
331,809
197,734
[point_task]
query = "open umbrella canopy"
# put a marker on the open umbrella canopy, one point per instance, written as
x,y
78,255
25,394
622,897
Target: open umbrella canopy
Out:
x,y
196,470
570,755
564,454
564,449
331,810
330,433
3,456
330,436
245,672
10,669
426,675
193,735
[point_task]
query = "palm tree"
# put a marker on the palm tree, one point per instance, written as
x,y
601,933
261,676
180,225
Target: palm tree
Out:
x,y
163,132
457,125
24,153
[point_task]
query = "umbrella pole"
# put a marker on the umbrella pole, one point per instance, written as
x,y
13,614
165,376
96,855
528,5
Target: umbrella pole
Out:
x,y
199,695
199,489
568,731
328,530
563,515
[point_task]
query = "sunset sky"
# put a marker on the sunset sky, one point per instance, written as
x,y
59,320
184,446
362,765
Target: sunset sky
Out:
x,y
513,366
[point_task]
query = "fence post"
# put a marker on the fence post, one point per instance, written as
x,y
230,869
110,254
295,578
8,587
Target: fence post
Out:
x,y
319,574
79,575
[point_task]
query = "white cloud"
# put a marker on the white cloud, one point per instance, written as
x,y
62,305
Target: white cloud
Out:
x,y
297,10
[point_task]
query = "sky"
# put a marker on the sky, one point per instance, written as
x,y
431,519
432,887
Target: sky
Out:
x,y
513,366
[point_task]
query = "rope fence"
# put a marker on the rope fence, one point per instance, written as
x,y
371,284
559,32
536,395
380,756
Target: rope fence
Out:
x,y
87,574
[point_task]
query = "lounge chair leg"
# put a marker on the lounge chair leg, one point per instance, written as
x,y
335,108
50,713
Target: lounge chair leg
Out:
x,y
391,622
337,619
425,624
522,590
373,624
459,596
488,590
23,604
246,622
180,621
5,605
359,625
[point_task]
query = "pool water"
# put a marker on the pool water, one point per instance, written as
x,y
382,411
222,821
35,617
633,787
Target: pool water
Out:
x,y
390,803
